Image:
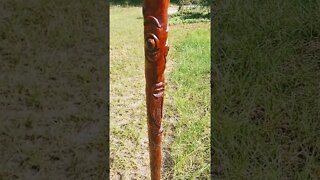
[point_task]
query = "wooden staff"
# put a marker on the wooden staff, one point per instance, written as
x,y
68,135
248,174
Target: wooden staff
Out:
x,y
155,13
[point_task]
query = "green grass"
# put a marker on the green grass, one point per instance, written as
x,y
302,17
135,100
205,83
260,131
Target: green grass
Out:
x,y
128,125
194,15
266,90
191,146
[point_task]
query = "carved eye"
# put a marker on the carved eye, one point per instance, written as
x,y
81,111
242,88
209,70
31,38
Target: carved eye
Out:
x,y
152,42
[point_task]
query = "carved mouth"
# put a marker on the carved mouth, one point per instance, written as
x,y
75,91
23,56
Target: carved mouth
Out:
x,y
158,90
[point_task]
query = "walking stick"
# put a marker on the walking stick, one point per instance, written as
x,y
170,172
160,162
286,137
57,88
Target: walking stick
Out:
x,y
155,13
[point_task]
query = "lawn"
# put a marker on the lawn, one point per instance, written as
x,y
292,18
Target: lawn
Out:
x,y
266,90
187,102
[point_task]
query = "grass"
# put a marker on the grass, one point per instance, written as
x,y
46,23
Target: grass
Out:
x,y
127,136
191,146
52,95
194,15
266,90
128,126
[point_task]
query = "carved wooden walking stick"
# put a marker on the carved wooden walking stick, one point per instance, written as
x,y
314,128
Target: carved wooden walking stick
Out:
x,y
155,14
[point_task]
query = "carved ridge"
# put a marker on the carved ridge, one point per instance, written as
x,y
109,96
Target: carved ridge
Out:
x,y
152,20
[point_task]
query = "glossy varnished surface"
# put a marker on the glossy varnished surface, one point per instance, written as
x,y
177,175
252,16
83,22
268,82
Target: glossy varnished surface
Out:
x,y
155,14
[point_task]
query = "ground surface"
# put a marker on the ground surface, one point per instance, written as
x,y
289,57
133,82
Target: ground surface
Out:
x,y
172,10
266,90
129,156
53,90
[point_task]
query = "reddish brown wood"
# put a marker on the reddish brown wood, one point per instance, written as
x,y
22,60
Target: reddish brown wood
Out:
x,y
155,14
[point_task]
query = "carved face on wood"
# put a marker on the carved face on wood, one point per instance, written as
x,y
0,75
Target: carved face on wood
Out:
x,y
156,46
155,13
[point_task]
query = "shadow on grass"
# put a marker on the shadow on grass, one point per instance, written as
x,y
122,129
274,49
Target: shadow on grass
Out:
x,y
168,164
190,16
126,3
170,118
